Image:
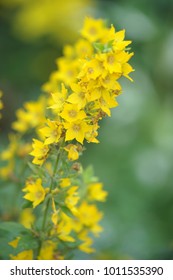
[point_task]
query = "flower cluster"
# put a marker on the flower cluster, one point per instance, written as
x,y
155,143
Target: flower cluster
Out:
x,y
61,213
87,78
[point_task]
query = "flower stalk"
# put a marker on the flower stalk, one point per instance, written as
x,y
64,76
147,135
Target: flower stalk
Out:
x,y
79,94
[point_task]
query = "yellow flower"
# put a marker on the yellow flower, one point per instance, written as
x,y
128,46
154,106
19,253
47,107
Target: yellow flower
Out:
x,y
95,192
14,243
40,152
127,68
35,192
7,171
65,182
123,57
63,230
72,151
53,84
76,130
54,218
59,99
107,101
87,242
68,51
27,217
109,35
110,62
62,227
55,215
1,104
110,83
47,18
92,134
79,95
10,152
93,29
89,217
47,250
92,70
119,44
71,113
52,132
67,70
72,198
24,149
94,93
25,255
31,116
83,49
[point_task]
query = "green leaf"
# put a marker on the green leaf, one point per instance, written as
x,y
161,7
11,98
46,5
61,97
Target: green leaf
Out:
x,y
27,204
67,211
88,175
37,170
8,232
13,227
27,242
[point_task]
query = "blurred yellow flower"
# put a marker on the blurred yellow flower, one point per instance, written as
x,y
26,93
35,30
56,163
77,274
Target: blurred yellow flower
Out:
x,y
34,19
95,192
63,230
72,198
14,243
89,217
86,244
47,250
93,29
25,255
32,115
27,217
65,182
1,104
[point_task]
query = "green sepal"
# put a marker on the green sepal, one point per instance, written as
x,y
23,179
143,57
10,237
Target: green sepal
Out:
x,y
103,48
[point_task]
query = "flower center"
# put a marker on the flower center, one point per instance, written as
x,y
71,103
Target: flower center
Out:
x,y
111,59
76,127
72,113
82,95
38,194
90,70
92,31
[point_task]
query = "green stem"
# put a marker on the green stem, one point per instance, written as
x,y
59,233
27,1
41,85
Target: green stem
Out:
x,y
51,186
49,198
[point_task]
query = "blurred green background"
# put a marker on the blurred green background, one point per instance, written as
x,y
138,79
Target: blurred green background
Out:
x,y
134,159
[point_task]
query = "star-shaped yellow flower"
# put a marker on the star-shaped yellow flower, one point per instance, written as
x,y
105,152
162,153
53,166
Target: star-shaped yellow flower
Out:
x,y
76,130
72,113
40,152
35,192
